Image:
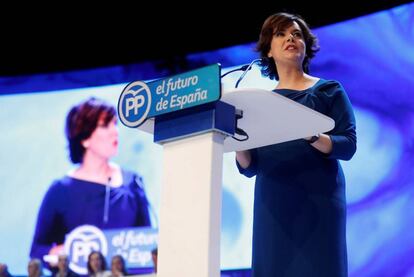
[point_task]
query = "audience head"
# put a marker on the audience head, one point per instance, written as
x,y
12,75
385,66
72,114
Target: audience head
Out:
x,y
63,263
118,267
154,254
96,262
4,272
34,268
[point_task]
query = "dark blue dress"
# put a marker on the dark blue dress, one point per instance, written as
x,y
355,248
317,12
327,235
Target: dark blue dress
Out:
x,y
71,202
299,203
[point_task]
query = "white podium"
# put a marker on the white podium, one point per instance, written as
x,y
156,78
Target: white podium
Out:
x,y
271,118
190,211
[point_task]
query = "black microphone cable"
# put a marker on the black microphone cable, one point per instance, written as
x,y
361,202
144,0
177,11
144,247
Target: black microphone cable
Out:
x,y
239,131
242,68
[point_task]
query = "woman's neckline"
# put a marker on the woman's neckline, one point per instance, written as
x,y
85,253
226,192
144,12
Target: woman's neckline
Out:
x,y
115,179
300,90
78,179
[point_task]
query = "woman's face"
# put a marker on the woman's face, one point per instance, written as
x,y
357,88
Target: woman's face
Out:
x,y
116,265
33,269
288,46
95,262
103,141
63,262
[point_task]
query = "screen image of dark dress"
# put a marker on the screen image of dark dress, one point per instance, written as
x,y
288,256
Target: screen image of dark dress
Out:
x,y
299,223
71,202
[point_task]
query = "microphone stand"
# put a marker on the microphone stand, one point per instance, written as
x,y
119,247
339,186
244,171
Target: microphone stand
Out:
x,y
245,72
243,68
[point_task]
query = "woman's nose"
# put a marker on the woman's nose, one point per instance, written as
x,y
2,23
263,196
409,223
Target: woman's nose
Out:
x,y
290,37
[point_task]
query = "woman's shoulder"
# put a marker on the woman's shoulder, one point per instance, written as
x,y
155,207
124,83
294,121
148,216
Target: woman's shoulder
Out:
x,y
71,183
62,182
131,178
59,187
329,88
328,84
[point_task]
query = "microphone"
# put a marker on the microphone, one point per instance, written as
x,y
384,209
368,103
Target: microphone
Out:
x,y
246,70
242,68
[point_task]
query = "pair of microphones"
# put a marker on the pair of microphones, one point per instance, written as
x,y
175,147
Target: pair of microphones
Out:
x,y
245,68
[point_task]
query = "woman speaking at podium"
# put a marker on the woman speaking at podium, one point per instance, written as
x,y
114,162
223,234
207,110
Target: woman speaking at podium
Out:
x,y
97,192
299,225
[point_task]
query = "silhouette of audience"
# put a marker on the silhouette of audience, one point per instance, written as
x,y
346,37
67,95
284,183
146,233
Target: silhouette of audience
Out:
x,y
154,254
97,265
35,268
63,267
118,267
4,271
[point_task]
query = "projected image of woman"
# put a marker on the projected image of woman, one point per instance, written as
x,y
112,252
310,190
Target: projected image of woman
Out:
x,y
299,202
97,192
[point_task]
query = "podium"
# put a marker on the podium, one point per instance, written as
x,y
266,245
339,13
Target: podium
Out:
x,y
270,118
190,211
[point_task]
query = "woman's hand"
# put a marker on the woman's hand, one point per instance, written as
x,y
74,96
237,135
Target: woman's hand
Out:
x,y
323,143
244,158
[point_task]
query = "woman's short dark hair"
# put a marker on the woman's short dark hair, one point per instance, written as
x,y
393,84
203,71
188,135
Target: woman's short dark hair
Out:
x,y
103,262
280,22
124,269
82,120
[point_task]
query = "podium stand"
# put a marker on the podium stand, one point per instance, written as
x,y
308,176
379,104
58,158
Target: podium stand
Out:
x,y
190,212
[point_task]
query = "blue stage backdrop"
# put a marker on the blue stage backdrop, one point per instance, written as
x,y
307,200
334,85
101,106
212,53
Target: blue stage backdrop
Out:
x,y
372,56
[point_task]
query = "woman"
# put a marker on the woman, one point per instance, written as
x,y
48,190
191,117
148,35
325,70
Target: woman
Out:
x,y
97,265
299,202
63,267
97,192
118,267
34,268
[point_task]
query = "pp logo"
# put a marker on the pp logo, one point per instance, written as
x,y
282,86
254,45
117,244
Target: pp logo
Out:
x,y
134,104
80,243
